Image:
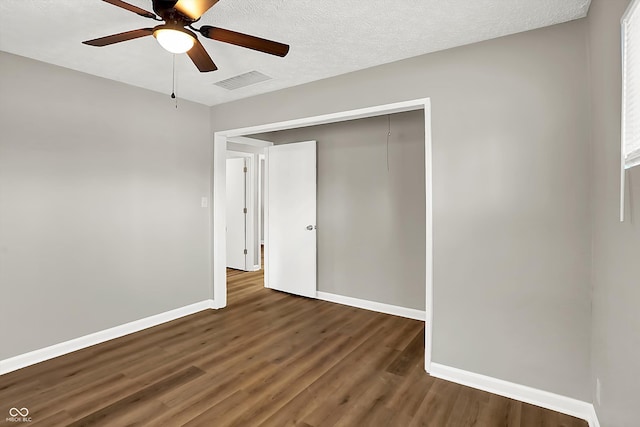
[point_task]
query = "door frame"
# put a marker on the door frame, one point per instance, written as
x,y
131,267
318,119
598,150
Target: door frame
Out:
x,y
262,200
219,244
255,147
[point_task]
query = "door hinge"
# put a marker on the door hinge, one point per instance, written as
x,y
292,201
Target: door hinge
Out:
x,y
245,251
244,210
245,169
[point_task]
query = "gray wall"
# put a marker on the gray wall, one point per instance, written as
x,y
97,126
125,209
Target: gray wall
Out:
x,y
100,217
616,246
371,220
511,195
100,185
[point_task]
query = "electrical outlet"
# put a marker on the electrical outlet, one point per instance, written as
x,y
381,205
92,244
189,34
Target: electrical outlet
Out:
x,y
598,391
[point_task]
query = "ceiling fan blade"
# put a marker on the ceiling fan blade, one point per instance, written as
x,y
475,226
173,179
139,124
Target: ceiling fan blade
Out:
x,y
245,40
121,37
194,9
201,58
131,8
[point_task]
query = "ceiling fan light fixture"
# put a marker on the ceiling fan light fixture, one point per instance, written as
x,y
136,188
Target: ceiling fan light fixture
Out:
x,y
174,40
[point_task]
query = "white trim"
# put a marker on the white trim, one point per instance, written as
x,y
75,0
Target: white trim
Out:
x,y
250,141
234,154
630,9
219,219
622,110
219,194
626,161
265,274
216,305
555,402
380,307
244,148
40,355
622,186
378,110
428,188
212,246
593,417
259,208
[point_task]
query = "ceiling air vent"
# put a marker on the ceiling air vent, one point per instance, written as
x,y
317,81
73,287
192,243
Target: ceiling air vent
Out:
x,y
242,80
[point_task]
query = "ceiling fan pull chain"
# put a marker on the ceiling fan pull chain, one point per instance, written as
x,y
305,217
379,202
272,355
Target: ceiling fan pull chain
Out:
x,y
173,81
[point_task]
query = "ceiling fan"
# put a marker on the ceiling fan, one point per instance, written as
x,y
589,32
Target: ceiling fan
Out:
x,y
177,35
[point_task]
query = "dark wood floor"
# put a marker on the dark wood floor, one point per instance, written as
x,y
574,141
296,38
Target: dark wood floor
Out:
x,y
268,359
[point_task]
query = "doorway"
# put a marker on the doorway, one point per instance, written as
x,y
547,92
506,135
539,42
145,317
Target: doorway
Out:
x,y
219,194
243,231
239,211
247,210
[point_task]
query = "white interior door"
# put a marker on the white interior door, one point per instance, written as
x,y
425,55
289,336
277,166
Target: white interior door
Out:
x,y
290,238
236,216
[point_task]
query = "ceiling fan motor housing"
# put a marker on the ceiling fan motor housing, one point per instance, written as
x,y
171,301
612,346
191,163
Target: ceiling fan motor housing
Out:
x,y
167,11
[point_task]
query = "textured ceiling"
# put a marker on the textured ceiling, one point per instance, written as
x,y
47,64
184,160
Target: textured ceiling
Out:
x,y
327,38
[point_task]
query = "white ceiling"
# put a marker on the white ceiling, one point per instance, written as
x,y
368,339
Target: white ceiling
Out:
x,y
327,37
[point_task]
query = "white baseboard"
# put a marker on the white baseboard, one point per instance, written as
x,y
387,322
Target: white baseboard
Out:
x,y
372,305
544,399
593,417
213,304
40,355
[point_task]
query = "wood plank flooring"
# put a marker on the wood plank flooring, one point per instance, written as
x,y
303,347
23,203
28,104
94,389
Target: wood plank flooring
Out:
x,y
268,359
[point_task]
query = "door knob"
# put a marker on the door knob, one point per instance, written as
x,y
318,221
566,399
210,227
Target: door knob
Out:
x,y
309,227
